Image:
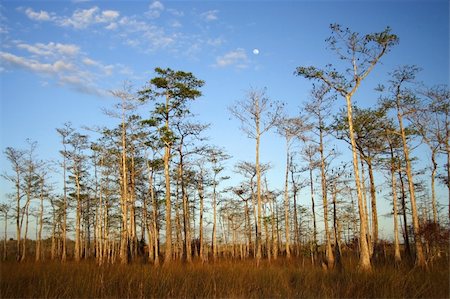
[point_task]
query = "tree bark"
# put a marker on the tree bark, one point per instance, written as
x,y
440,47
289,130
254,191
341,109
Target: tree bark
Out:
x,y
286,200
420,258
364,259
329,251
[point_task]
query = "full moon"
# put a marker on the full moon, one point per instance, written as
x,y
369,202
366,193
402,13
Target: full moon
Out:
x,y
255,51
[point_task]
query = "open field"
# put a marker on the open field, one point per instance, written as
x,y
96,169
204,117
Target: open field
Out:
x,y
230,279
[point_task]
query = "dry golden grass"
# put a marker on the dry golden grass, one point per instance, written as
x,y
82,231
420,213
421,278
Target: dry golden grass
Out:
x,y
224,279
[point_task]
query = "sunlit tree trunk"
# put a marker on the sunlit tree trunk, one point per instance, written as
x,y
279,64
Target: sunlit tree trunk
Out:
x,y
373,204
286,200
201,196
397,255
39,248
364,260
258,188
329,251
420,258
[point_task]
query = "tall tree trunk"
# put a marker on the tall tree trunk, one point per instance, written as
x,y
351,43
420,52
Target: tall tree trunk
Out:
x,y
420,258
258,196
214,231
155,223
374,204
64,228
366,209
5,250
41,223
18,226
329,251
248,228
286,200
78,219
168,247
397,255
405,218
124,200
364,258
313,207
200,229
186,222
24,241
337,241
270,200
433,190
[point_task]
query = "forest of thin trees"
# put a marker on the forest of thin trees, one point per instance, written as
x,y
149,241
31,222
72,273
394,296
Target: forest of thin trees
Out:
x,y
154,188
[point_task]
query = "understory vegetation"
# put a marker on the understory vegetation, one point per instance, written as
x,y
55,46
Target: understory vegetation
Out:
x,y
294,278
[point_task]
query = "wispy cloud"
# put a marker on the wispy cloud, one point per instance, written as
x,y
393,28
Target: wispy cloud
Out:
x,y
145,35
65,63
210,15
155,9
37,15
83,18
237,58
80,18
50,49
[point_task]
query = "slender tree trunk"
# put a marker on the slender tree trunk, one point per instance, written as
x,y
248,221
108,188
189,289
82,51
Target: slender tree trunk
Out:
x,y
364,258
270,200
186,222
201,197
405,219
78,219
39,248
313,207
337,241
124,200
420,258
374,204
397,255
258,196
433,190
64,228
18,226
168,247
248,228
286,200
214,232
366,206
24,241
155,222
5,250
329,251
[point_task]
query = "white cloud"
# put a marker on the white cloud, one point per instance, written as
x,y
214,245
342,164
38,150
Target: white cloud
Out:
x,y
176,24
81,19
90,62
111,26
75,72
210,15
215,42
236,58
156,5
145,35
37,16
176,13
107,16
154,10
50,49
36,66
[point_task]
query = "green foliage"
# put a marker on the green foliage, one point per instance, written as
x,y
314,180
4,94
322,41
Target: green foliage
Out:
x,y
176,87
361,52
368,126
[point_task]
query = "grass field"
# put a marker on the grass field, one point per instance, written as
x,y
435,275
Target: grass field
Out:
x,y
229,279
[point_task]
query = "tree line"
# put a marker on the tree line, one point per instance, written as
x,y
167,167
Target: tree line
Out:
x,y
154,186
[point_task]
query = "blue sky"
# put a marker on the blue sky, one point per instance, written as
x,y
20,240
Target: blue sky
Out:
x,y
60,59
